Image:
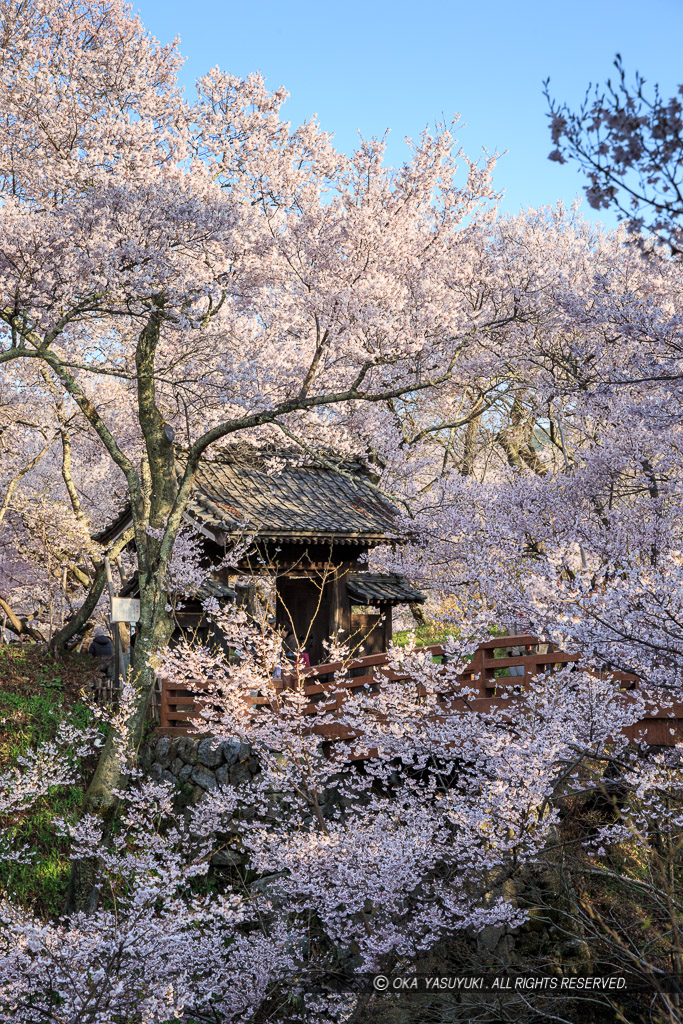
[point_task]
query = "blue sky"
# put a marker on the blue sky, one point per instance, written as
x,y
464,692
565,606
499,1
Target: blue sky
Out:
x,y
374,65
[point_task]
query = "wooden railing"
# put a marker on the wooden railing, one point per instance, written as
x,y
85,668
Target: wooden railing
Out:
x,y
497,668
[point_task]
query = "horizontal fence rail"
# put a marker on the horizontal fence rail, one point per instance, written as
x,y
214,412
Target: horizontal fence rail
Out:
x,y
500,668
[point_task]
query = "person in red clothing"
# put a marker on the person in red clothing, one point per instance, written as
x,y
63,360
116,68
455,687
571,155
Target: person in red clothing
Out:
x,y
303,653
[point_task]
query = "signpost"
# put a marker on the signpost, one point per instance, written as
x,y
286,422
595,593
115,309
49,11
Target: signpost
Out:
x,y
123,613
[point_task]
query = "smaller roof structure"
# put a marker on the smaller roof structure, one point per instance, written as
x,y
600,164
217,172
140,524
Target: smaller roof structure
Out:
x,y
217,589
382,588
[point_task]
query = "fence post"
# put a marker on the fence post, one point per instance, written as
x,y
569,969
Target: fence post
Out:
x,y
478,671
163,703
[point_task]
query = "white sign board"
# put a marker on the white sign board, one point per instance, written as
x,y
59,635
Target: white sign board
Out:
x,y
125,609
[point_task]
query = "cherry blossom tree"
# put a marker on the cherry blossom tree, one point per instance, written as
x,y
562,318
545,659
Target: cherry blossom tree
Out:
x,y
579,543
176,273
413,829
584,507
183,271
52,476
627,139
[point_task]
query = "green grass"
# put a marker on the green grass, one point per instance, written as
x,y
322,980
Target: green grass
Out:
x,y
41,882
426,635
37,691
434,633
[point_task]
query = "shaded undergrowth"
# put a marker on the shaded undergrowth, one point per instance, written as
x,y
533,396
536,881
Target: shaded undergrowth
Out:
x,y
38,690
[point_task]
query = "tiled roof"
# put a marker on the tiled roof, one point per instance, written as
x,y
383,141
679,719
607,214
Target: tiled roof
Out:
x,y
312,502
216,588
298,501
381,588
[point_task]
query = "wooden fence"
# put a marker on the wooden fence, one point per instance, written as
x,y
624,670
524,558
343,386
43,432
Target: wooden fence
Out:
x,y
504,665
106,691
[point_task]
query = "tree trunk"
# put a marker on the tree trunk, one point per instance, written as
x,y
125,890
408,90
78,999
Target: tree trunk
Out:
x,y
470,447
78,621
155,629
417,612
18,625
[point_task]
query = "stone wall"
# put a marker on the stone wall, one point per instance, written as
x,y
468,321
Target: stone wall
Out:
x,y
197,766
201,763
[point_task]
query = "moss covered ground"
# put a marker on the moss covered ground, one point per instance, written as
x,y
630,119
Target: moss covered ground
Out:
x,y
37,691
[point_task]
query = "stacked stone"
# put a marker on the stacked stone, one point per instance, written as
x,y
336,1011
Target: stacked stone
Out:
x,y
202,763
198,766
